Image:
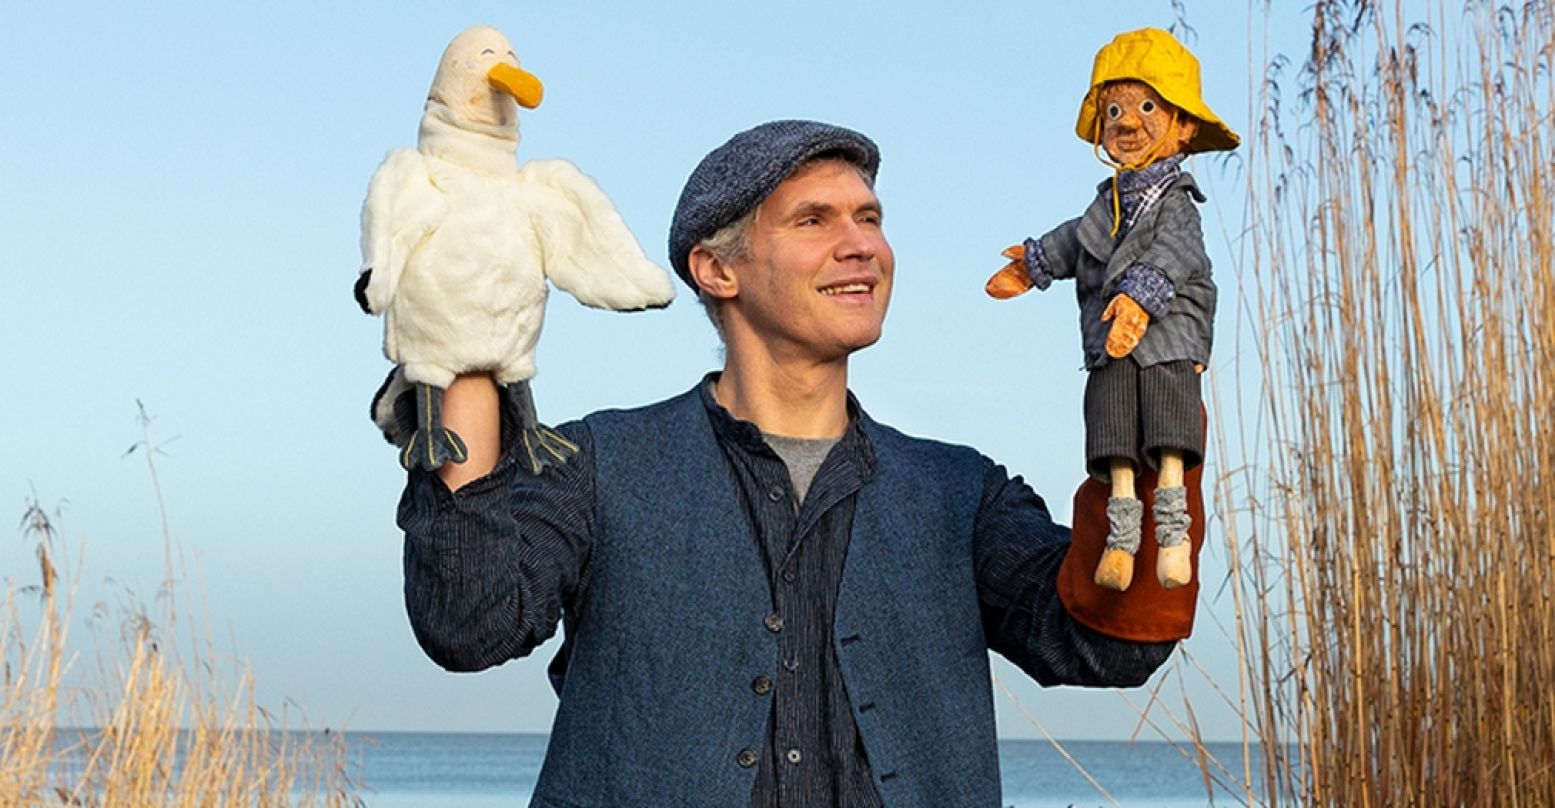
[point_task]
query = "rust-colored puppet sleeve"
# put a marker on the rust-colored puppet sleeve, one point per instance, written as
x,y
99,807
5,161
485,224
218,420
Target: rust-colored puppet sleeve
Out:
x,y
1145,612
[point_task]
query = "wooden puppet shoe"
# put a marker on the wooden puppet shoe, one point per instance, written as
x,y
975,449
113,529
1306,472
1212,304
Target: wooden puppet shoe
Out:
x,y
1116,570
1174,565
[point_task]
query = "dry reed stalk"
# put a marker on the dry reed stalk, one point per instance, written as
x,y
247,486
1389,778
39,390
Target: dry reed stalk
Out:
x,y
174,729
31,676
1394,583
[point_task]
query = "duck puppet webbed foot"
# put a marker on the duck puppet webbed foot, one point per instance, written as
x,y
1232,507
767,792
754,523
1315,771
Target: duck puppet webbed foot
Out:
x,y
432,444
539,446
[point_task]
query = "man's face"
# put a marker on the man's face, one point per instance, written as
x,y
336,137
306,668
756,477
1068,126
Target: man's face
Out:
x,y
816,279
1134,118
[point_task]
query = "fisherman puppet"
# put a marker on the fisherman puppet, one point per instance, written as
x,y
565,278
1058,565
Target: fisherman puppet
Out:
x,y
458,243
1147,302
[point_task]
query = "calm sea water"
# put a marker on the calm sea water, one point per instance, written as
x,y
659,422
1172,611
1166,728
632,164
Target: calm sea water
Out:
x,y
448,770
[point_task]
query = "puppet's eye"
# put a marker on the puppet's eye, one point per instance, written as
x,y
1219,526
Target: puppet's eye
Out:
x,y
1114,111
1146,107
487,52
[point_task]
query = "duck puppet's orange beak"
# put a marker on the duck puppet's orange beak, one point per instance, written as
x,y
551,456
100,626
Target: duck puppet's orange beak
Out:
x,y
524,86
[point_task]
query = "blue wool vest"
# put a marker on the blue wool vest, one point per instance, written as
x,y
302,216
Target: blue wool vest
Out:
x,y
667,636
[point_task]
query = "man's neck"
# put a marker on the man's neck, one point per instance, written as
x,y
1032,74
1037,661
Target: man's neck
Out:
x,y
781,399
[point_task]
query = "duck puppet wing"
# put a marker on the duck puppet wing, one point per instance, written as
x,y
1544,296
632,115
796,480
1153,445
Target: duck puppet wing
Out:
x,y
402,208
587,249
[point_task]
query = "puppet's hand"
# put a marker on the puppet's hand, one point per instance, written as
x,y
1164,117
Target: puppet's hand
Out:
x,y
1129,320
1013,279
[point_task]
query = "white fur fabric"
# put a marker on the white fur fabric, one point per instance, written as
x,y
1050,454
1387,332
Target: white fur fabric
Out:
x,y
460,243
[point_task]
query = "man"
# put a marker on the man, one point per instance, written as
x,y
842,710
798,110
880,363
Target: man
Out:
x,y
770,599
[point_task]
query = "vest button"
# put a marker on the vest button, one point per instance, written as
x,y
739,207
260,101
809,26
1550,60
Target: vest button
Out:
x,y
762,685
746,758
773,622
794,756
775,493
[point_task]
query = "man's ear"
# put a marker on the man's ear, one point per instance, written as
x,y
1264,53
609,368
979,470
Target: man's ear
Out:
x,y
711,274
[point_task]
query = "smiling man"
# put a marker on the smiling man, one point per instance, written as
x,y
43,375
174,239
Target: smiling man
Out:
x,y
769,598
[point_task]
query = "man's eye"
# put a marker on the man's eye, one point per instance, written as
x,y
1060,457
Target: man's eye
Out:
x,y
1114,111
1147,106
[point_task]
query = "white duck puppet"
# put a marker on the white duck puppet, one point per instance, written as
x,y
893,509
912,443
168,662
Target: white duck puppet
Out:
x,y
458,242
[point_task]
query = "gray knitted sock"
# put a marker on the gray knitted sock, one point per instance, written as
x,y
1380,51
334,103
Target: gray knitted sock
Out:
x,y
1124,514
1171,516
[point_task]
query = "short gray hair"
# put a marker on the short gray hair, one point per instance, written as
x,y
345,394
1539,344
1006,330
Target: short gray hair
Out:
x,y
730,244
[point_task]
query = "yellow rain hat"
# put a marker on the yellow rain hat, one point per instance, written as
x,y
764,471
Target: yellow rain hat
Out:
x,y
1156,58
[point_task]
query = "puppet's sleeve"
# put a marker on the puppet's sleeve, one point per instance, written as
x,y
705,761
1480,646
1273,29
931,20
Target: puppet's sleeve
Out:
x,y
1020,555
1176,248
1053,256
1149,287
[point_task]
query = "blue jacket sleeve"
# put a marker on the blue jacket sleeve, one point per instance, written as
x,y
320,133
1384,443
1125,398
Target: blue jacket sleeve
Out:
x,y
1018,551
489,568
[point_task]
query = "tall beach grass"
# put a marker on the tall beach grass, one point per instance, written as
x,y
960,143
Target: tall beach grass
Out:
x,y
160,719
1392,546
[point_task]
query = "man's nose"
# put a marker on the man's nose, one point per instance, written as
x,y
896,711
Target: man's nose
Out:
x,y
858,242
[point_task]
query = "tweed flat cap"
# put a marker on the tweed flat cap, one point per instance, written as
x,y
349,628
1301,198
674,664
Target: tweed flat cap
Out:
x,y
735,177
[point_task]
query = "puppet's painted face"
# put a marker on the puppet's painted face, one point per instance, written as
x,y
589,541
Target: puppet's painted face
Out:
x,y
1138,126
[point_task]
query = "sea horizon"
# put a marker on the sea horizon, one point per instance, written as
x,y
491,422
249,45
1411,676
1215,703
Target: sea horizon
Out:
x,y
444,769
454,769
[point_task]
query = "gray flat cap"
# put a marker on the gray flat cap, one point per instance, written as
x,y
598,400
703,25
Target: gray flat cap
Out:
x,y
735,177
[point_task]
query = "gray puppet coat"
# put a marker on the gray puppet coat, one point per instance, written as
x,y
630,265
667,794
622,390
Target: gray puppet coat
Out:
x,y
1169,237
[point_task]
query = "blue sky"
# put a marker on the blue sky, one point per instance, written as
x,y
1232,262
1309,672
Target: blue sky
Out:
x,y
180,185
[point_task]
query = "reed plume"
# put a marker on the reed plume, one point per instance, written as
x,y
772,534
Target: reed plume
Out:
x,y
158,723
1394,556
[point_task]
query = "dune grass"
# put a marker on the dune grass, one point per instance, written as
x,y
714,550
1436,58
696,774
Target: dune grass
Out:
x,y
165,723
1392,547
